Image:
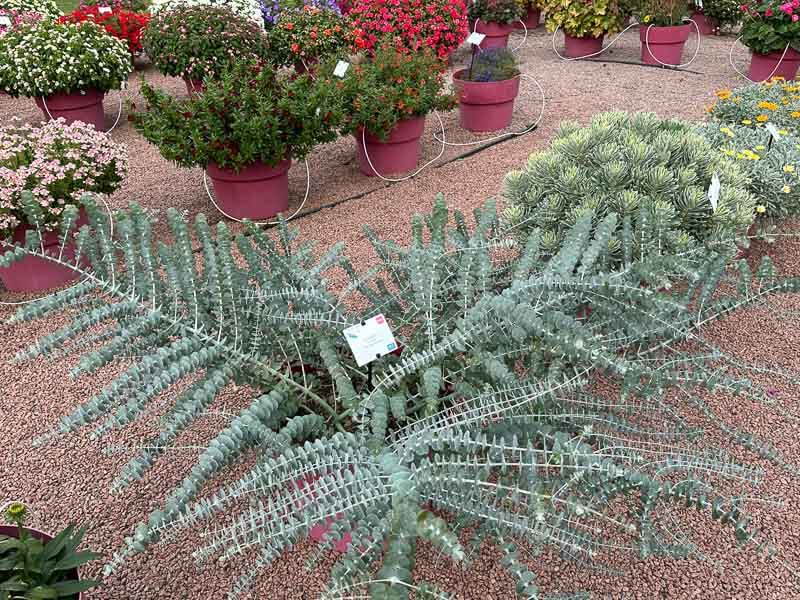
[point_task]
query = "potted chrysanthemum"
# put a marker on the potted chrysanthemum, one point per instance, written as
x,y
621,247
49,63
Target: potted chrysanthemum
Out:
x,y
487,89
244,129
199,42
584,24
82,63
495,19
54,165
386,98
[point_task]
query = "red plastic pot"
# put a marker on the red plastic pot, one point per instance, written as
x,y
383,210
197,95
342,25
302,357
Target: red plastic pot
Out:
x,y
194,86
663,45
705,25
34,274
12,531
485,105
320,530
256,192
575,47
531,19
766,66
399,153
84,106
496,34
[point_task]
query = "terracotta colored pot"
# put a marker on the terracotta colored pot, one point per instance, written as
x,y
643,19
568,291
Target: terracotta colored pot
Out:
x,y
582,47
485,105
194,86
705,25
531,19
663,45
256,192
78,106
12,531
399,153
34,274
766,66
496,34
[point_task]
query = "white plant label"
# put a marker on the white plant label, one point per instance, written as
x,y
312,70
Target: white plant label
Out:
x,y
475,38
104,9
5,21
773,131
698,4
370,339
713,191
341,68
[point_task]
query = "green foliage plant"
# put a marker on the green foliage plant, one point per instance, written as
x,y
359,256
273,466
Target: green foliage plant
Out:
x,y
202,41
581,19
382,90
662,13
634,165
308,34
248,9
770,26
504,12
252,113
489,412
724,14
31,569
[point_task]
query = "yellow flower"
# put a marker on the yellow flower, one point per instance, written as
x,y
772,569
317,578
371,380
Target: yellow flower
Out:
x,y
762,118
767,105
761,209
761,147
647,20
16,512
783,132
788,168
746,122
721,94
727,131
796,114
728,152
786,189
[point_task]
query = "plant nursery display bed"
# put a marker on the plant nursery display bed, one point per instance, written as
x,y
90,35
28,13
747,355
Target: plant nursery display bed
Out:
x,y
70,479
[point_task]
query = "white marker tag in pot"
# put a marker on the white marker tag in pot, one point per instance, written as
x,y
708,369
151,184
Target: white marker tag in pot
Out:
x,y
773,131
5,21
341,68
475,38
713,191
370,339
698,4
104,9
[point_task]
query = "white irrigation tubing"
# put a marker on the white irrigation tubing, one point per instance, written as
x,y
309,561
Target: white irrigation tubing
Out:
x,y
777,66
415,173
510,133
603,49
226,215
116,121
684,65
61,251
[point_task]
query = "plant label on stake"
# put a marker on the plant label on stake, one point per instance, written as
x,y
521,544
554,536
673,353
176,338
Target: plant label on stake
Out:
x,y
341,68
713,191
475,38
104,9
698,4
5,21
370,339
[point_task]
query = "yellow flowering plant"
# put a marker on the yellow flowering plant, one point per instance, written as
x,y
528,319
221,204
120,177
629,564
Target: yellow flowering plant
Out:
x,y
776,102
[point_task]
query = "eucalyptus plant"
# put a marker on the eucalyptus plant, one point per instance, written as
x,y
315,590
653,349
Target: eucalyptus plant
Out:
x,y
489,412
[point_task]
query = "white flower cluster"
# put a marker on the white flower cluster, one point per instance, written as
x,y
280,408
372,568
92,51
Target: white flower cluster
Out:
x,y
48,8
246,8
50,58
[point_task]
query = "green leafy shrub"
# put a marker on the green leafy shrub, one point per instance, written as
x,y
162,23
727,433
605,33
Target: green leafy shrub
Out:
x,y
391,86
495,11
776,102
770,26
31,569
489,413
202,41
248,9
580,19
308,34
493,64
50,58
633,165
250,114
724,14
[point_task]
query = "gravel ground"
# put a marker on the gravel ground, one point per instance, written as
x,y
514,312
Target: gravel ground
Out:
x,y
69,481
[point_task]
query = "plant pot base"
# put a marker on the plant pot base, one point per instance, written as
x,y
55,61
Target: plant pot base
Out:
x,y
256,192
400,153
766,66
86,107
582,47
663,45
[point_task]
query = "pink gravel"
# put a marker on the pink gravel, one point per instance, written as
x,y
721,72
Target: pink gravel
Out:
x,y
70,481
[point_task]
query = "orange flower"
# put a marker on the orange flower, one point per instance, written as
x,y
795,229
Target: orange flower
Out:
x,y
288,26
296,48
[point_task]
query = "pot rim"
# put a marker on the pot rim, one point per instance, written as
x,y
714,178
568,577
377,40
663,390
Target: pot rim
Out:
x,y
255,171
468,82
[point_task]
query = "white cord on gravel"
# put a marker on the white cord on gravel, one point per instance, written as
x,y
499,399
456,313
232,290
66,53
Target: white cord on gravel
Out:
x,y
730,60
684,65
116,121
294,214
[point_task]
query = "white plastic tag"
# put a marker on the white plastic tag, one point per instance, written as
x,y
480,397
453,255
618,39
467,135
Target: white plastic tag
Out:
x,y
370,339
341,68
104,9
713,191
475,38
698,4
773,131
5,21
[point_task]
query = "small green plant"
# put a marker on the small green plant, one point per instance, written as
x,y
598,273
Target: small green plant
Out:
x,y
581,19
495,11
202,41
493,64
656,171
662,13
390,86
34,569
252,113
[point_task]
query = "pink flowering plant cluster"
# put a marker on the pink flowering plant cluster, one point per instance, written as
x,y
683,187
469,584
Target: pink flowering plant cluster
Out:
x,y
440,25
202,41
58,164
51,58
17,18
771,26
